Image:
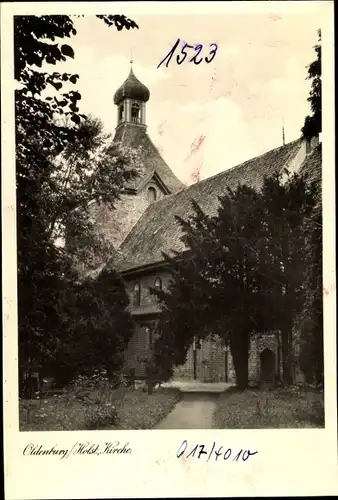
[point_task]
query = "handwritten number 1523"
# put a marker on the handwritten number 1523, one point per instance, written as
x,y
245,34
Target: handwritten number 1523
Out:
x,y
196,58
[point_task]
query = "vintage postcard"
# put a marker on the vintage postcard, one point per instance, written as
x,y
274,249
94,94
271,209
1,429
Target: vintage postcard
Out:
x,y
168,247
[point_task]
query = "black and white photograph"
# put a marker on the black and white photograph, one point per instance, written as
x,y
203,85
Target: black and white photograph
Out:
x,y
191,291
168,188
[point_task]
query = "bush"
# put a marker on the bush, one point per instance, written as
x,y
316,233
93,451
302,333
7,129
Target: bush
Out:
x,y
97,379
88,403
100,416
96,329
102,399
156,372
98,389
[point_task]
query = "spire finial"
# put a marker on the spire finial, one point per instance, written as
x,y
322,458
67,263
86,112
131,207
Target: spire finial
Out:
x,y
283,130
131,57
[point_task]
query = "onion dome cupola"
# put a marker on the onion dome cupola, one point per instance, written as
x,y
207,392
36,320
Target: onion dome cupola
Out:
x,y
131,99
132,88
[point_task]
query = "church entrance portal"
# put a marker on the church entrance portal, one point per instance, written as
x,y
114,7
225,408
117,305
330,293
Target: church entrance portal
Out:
x,y
268,365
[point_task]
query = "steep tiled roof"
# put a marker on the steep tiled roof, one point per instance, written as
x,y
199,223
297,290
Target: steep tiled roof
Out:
x,y
157,231
312,164
135,136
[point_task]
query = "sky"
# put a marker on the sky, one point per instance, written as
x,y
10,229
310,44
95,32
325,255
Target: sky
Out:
x,y
203,118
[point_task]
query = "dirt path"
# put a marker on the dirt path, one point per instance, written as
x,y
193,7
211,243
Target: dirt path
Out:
x,y
195,411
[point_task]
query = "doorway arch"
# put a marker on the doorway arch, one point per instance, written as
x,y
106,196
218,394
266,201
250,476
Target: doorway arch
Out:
x,y
268,365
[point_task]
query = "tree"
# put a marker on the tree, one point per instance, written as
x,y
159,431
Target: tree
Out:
x,y
313,123
215,290
92,168
48,187
55,151
310,321
99,336
242,273
287,206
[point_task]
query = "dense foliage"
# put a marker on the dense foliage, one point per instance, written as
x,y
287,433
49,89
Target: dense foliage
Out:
x,y
98,330
311,318
313,123
310,321
62,162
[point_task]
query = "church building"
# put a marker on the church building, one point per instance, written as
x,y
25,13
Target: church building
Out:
x,y
142,226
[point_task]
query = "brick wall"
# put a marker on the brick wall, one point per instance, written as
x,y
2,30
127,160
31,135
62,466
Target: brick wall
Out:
x,y
210,363
210,358
128,209
254,365
257,346
139,346
231,370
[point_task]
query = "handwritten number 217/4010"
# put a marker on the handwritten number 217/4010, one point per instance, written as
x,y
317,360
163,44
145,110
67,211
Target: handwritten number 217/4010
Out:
x,y
197,59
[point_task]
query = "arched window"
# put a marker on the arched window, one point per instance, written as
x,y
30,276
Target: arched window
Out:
x,y
158,284
135,113
121,113
137,294
152,195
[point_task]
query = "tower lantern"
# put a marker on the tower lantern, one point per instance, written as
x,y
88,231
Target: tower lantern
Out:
x,y
130,100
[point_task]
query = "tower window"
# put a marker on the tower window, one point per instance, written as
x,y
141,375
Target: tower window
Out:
x,y
137,294
148,335
121,113
135,113
152,195
158,284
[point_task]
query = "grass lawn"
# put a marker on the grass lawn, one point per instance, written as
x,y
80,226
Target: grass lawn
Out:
x,y
87,410
279,408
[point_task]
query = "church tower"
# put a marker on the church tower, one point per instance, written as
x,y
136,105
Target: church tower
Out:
x,y
155,179
131,99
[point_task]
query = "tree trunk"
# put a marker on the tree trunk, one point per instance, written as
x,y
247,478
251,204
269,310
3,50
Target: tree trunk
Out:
x,y
286,355
240,354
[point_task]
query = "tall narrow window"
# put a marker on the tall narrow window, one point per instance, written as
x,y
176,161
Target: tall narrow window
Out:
x,y
158,284
135,113
148,335
152,195
121,113
137,294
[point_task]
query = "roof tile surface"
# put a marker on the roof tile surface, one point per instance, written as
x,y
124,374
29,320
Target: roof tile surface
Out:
x,y
135,136
157,230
